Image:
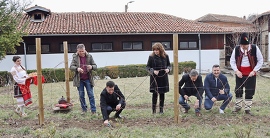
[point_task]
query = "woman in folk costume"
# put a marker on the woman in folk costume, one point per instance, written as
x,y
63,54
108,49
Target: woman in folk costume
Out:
x,y
158,66
22,86
245,60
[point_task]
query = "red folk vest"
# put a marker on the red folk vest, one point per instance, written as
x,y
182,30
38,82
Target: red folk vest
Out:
x,y
252,57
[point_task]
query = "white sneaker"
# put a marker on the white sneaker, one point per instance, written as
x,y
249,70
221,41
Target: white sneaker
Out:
x,y
221,111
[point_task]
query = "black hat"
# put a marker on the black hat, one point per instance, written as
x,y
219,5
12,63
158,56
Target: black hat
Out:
x,y
244,39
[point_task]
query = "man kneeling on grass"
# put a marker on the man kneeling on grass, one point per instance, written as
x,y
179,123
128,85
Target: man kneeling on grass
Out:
x,y
216,88
111,99
193,87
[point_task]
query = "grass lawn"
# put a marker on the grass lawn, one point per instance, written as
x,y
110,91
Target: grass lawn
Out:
x,y
139,121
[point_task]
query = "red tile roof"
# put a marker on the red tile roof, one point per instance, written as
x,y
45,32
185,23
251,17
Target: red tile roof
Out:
x,y
116,23
241,29
222,18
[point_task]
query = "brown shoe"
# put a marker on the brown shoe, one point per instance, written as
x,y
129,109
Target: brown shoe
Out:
x,y
248,112
198,114
236,110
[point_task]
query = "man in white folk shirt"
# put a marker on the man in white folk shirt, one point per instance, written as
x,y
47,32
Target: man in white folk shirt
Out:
x,y
245,60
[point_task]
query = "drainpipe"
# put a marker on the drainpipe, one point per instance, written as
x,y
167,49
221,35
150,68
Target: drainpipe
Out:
x,y
25,62
200,48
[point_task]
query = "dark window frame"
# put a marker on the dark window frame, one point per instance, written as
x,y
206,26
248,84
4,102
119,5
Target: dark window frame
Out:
x,y
38,16
102,44
71,48
42,48
189,45
132,46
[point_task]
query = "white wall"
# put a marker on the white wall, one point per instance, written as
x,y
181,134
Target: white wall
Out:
x,y
208,58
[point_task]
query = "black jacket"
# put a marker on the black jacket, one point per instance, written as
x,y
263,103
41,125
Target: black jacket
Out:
x,y
113,99
158,83
189,88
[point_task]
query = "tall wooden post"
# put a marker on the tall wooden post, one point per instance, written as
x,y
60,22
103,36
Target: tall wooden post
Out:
x,y
66,71
39,75
175,74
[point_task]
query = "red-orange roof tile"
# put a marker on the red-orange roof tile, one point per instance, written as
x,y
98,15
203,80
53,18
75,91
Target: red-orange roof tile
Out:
x,y
222,18
116,23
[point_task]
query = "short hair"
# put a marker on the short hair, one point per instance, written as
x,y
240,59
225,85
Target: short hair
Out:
x,y
15,58
193,73
110,84
216,66
80,46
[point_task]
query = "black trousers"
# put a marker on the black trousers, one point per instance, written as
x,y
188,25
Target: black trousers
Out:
x,y
249,86
111,108
161,99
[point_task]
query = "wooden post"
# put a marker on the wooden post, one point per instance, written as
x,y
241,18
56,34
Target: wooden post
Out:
x,y
66,70
175,74
39,75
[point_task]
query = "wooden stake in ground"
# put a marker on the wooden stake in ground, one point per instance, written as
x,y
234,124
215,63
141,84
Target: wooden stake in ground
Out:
x,y
39,75
175,74
66,70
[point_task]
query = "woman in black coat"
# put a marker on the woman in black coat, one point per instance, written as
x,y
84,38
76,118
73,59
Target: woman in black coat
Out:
x,y
158,66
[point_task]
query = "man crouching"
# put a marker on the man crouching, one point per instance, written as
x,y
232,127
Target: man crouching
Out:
x,y
111,99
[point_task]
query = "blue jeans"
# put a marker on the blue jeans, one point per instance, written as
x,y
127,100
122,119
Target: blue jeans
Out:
x,y
90,93
186,105
208,103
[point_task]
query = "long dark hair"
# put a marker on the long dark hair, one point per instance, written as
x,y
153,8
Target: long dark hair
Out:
x,y
159,46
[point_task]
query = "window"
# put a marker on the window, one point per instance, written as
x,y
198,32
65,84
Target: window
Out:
x,y
166,44
71,47
101,46
44,48
132,45
188,45
37,16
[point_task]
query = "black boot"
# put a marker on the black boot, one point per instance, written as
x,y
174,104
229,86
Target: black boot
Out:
x,y
161,110
153,110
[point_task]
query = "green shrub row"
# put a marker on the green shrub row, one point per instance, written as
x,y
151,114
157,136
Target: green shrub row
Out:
x,y
121,71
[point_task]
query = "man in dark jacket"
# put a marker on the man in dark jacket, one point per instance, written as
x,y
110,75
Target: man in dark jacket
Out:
x,y
193,87
216,88
111,99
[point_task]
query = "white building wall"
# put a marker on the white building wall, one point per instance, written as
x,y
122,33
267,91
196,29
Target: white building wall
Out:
x,y
102,59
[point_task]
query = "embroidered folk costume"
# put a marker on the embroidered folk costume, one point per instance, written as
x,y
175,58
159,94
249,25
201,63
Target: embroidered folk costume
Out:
x,y
245,60
21,88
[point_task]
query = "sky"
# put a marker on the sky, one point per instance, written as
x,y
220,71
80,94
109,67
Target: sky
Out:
x,y
188,9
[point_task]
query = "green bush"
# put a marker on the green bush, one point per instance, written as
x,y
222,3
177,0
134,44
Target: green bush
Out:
x,y
186,66
138,70
3,78
112,71
101,72
53,75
